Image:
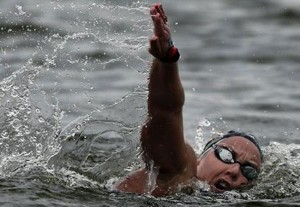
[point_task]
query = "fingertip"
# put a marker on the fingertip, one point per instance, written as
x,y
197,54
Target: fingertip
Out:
x,y
157,7
152,11
157,4
161,7
154,7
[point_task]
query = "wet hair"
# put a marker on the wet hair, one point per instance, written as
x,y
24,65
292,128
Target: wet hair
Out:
x,y
232,133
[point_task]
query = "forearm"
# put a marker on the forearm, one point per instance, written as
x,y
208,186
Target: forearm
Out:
x,y
165,88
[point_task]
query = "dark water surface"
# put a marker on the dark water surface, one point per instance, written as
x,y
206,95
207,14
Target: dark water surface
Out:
x,y
73,78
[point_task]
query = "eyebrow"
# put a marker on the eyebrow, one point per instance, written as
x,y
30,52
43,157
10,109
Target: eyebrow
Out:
x,y
246,162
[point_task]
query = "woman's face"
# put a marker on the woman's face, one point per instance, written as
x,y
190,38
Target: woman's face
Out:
x,y
222,176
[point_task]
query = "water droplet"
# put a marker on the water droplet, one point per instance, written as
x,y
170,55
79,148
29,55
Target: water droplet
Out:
x,y
22,107
78,127
2,94
204,123
4,134
20,10
16,124
39,148
14,93
15,87
41,119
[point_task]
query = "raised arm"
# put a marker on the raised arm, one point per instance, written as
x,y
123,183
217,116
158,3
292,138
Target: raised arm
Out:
x,y
162,136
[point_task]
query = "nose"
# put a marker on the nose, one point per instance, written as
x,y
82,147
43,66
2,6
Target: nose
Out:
x,y
236,175
233,171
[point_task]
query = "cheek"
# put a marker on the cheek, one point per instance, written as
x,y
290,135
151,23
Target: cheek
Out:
x,y
208,168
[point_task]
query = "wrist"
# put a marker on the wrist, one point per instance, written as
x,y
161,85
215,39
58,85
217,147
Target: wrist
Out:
x,y
172,56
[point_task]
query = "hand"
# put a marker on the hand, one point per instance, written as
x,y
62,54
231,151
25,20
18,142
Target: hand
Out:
x,y
160,42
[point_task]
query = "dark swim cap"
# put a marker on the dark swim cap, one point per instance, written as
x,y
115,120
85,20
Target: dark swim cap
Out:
x,y
232,133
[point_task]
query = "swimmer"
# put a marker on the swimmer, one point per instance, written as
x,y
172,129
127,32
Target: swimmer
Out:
x,y
227,162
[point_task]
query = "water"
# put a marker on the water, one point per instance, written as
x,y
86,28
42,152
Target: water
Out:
x,y
73,93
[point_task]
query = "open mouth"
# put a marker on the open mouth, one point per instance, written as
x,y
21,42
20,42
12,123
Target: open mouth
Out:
x,y
222,185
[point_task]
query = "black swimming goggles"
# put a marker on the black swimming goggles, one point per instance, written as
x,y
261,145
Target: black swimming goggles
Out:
x,y
227,156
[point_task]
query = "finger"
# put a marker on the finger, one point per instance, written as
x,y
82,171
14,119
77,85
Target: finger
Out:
x,y
167,34
153,10
163,14
154,49
156,5
157,8
158,25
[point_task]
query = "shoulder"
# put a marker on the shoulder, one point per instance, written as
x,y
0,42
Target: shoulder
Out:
x,y
134,183
166,183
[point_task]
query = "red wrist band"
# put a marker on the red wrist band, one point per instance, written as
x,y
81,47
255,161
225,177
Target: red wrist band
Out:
x,y
172,56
